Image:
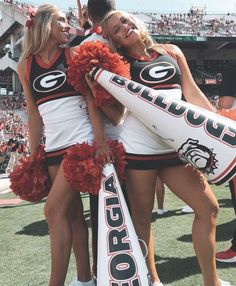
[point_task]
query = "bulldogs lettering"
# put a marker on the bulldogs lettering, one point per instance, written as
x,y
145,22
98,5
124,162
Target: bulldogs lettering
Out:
x,y
122,264
216,129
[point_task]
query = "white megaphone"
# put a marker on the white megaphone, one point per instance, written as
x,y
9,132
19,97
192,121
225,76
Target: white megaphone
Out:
x,y
120,258
203,138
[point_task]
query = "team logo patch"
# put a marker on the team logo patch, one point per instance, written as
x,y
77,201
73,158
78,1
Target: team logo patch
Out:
x,y
157,72
198,155
49,81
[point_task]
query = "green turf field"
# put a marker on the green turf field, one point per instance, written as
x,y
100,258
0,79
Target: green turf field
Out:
x,y
25,253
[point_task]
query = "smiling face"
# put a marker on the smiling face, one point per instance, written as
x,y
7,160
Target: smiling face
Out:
x,y
123,30
60,28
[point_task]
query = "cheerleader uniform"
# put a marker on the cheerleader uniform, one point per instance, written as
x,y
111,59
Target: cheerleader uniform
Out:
x,y
63,110
110,130
144,149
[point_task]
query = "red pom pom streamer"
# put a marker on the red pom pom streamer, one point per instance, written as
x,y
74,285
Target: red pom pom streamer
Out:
x,y
29,179
229,113
83,170
88,55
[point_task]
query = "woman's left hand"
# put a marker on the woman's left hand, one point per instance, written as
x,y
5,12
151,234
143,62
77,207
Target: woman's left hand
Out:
x,y
104,150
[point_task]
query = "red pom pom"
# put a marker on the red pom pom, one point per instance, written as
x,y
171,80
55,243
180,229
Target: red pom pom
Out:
x,y
118,152
29,179
82,170
229,113
98,54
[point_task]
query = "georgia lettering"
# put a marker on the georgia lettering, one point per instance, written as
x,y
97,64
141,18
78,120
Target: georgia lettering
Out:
x,y
213,128
122,264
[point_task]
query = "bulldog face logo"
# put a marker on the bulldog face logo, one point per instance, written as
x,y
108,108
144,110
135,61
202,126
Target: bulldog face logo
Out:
x,y
157,72
198,155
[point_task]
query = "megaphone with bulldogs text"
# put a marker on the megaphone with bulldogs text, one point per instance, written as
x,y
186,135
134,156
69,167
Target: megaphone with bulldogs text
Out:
x,y
205,139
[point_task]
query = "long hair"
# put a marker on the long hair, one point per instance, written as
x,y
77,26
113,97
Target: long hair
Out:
x,y
37,35
145,38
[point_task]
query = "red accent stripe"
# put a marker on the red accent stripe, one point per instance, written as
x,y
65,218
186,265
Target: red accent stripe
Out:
x,y
167,86
232,164
98,74
151,158
56,153
68,55
55,96
51,62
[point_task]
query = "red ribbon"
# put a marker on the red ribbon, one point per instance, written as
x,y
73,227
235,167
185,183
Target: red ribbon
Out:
x,y
29,22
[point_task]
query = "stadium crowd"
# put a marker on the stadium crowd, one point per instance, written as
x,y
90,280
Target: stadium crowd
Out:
x,y
194,23
12,128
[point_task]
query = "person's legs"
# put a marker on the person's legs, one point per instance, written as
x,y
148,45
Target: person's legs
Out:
x,y
232,187
229,255
56,210
93,201
80,239
191,186
140,186
160,194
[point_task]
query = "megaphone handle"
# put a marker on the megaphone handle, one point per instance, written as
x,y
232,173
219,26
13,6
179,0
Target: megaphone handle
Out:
x,y
145,246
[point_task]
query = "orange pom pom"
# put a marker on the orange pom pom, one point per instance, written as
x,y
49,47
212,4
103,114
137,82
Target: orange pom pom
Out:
x,y
95,53
229,113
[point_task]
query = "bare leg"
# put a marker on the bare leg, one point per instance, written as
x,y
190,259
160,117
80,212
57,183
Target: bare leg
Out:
x,y
160,193
57,210
190,186
80,239
141,191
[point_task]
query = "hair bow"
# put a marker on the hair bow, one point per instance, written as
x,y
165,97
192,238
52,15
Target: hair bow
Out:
x,y
29,22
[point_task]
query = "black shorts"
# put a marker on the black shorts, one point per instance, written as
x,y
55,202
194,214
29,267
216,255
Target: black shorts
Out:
x,y
150,162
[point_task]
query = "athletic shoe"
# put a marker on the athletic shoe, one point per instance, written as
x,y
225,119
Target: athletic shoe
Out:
x,y
224,283
161,211
157,284
227,256
76,282
187,210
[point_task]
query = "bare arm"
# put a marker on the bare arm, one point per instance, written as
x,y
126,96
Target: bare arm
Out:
x,y
98,129
115,113
79,9
191,91
82,15
34,119
226,102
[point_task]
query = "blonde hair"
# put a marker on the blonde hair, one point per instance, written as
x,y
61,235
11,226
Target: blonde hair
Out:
x,y
145,38
37,35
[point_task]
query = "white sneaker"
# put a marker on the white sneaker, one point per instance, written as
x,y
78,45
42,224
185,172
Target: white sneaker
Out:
x,y
161,212
157,284
187,210
76,282
225,283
